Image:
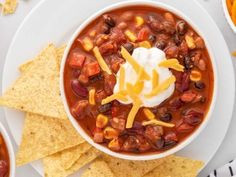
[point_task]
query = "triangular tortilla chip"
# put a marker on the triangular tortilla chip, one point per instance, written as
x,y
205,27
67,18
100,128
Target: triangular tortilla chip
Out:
x,y
98,168
128,168
177,167
37,89
43,136
53,168
71,155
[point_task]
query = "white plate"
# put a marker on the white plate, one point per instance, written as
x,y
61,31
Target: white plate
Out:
x,y
51,21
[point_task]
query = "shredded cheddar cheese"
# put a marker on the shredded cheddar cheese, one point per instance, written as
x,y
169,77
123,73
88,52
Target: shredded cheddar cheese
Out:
x,y
155,79
173,64
122,78
145,44
161,87
92,96
87,44
130,35
158,122
148,113
125,54
130,120
101,61
116,96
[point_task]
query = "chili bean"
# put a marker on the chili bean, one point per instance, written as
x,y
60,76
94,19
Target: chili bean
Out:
x,y
183,48
162,111
169,144
199,43
193,116
172,51
169,17
188,64
184,128
168,27
181,27
109,20
161,44
152,38
154,22
127,16
129,47
153,133
175,104
199,85
122,25
177,39
104,108
167,117
106,29
3,168
159,144
202,65
131,144
171,136
78,89
188,96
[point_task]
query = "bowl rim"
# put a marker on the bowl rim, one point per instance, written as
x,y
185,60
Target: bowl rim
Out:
x,y
150,156
227,16
9,149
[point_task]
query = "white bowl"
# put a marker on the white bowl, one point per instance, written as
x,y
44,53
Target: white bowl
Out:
x,y
227,16
137,156
10,150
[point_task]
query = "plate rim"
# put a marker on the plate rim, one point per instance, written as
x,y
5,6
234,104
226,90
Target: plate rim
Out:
x,y
43,1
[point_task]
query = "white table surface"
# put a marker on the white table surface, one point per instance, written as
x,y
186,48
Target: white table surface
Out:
x,y
227,151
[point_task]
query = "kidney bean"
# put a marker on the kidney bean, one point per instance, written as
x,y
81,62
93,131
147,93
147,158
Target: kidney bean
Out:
x,y
172,51
182,84
171,136
188,96
159,144
188,64
109,20
117,36
143,34
199,85
3,168
129,47
160,44
169,144
181,27
104,108
184,128
154,21
167,117
152,38
175,104
106,29
78,89
168,27
193,116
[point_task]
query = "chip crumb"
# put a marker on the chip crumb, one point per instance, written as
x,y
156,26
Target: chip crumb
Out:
x,y
9,7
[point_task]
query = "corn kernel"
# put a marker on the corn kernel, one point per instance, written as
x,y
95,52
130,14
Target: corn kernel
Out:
x,y
148,113
195,75
110,133
190,42
92,96
139,20
92,33
114,145
130,35
145,44
101,121
87,44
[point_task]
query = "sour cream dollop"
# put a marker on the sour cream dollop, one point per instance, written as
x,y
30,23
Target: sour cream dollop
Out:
x,y
149,60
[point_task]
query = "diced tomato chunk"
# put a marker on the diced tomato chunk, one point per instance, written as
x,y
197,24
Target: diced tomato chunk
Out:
x,y
78,109
118,123
76,60
143,34
83,78
92,68
114,111
109,83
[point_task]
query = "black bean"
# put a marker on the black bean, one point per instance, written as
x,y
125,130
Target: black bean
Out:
x,y
181,27
95,78
109,20
161,44
199,85
129,47
152,38
188,64
167,117
104,108
106,29
160,143
170,143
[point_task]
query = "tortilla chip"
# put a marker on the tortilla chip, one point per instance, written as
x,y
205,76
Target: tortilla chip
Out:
x,y
127,168
53,168
71,155
177,167
9,6
43,136
98,168
37,90
60,51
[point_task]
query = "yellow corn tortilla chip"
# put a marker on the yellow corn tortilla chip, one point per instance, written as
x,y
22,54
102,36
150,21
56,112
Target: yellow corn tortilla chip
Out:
x,y
98,168
9,6
43,136
37,90
128,168
177,167
52,167
60,51
71,155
